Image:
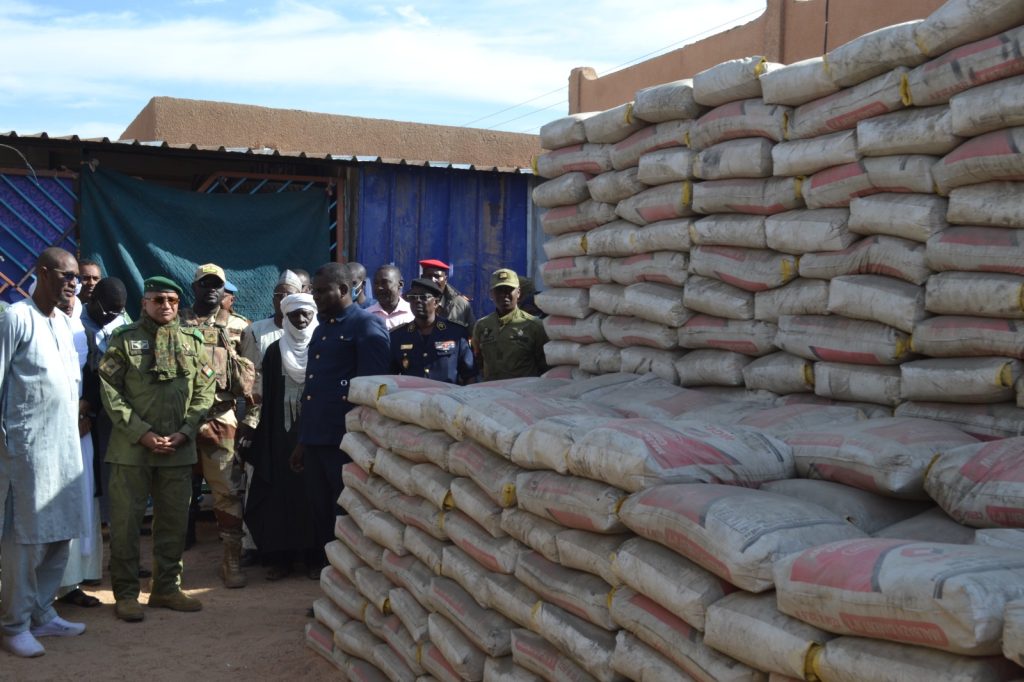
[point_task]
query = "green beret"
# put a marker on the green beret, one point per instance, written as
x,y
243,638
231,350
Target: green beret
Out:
x,y
159,283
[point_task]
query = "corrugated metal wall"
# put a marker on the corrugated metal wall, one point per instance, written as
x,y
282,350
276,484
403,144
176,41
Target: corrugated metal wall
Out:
x,y
477,221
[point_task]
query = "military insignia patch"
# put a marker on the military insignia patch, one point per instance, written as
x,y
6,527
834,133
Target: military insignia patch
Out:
x,y
109,365
207,371
405,346
138,344
211,336
444,346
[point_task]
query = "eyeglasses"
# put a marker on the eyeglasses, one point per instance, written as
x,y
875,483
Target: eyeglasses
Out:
x,y
66,275
419,297
163,300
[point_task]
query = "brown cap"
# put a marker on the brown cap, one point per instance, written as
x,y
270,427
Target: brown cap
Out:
x,y
504,278
209,269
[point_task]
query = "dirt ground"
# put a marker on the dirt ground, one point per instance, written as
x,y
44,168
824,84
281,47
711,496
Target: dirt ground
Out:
x,y
250,633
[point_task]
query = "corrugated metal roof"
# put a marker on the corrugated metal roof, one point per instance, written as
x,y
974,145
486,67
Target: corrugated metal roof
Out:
x,y
105,142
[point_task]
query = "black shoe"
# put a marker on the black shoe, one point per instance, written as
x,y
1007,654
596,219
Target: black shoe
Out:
x,y
145,572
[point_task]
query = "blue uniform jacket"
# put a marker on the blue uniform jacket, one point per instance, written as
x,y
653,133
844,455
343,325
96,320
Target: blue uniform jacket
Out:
x,y
352,344
443,355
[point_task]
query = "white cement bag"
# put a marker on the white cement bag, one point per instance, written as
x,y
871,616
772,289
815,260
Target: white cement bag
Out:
x,y
614,186
743,118
583,216
838,339
991,204
506,670
343,593
571,501
988,107
354,419
425,548
873,54
413,408
977,63
758,196
612,125
665,235
535,532
799,297
647,396
464,658
600,358
876,255
804,157
730,229
587,330
375,587
715,297
496,554
320,639
992,156
933,525
581,271
1013,632
884,456
395,469
564,131
982,421
565,245
911,216
664,576
346,530
536,654
511,598
797,83
394,666
471,500
666,165
592,159
612,239
433,484
413,510
748,269
628,152
960,380
844,109
871,410
807,230
546,444
609,299
782,420
561,353
495,475
356,640
587,644
736,533
712,367
661,303
857,382
398,653
1005,538
867,511
943,596
959,22
624,331
977,249
408,609
660,629
667,102
375,489
438,667
927,130
343,560
661,363
954,336
750,337
908,173
590,552
638,453
666,267
836,187
663,202
564,301
738,620
876,298
728,81
581,594
749,157
979,485
488,630
415,443
982,294
329,614
367,390
570,188
852,659
638,661
779,373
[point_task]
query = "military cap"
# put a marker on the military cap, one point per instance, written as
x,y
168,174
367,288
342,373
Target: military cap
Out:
x,y
428,284
159,283
209,269
434,263
504,278
230,288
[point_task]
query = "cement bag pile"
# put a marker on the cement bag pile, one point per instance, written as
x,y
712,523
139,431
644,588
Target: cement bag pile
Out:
x,y
843,229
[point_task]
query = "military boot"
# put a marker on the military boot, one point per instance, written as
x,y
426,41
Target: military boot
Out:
x,y
230,566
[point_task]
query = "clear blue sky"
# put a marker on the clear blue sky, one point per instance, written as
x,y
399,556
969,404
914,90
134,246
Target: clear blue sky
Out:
x,y
88,68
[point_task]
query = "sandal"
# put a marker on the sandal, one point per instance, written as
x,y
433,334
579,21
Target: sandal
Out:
x,y
78,598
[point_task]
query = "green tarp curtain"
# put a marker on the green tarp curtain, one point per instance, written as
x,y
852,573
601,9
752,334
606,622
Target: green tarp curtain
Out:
x,y
135,229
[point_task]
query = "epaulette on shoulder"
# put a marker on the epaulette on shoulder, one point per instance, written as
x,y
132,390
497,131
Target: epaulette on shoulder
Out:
x,y
125,327
456,323
243,318
193,332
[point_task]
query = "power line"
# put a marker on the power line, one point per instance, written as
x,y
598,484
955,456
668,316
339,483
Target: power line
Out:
x,y
529,113
610,71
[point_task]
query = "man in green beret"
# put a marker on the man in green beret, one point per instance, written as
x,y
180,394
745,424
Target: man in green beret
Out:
x,y
156,384
509,342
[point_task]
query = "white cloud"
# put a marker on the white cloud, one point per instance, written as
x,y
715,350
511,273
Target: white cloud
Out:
x,y
409,13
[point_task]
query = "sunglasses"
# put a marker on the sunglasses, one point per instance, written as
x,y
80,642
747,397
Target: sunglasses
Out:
x,y
162,300
108,313
66,275
419,297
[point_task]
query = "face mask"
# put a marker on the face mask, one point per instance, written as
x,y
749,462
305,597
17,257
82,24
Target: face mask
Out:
x,y
78,289
356,290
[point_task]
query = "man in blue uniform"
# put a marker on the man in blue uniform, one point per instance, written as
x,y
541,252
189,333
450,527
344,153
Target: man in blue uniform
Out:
x,y
349,342
431,346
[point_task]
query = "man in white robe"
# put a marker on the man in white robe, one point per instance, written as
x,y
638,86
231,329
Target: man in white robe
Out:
x,y
41,491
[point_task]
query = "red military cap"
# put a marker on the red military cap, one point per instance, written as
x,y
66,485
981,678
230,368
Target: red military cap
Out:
x,y
434,263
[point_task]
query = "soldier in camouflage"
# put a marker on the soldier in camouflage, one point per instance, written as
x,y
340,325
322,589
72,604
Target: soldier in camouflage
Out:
x,y
221,331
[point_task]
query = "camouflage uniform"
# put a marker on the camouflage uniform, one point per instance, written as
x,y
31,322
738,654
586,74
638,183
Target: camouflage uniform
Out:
x,y
455,307
221,333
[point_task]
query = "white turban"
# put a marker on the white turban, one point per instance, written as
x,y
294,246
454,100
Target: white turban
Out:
x,y
295,342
